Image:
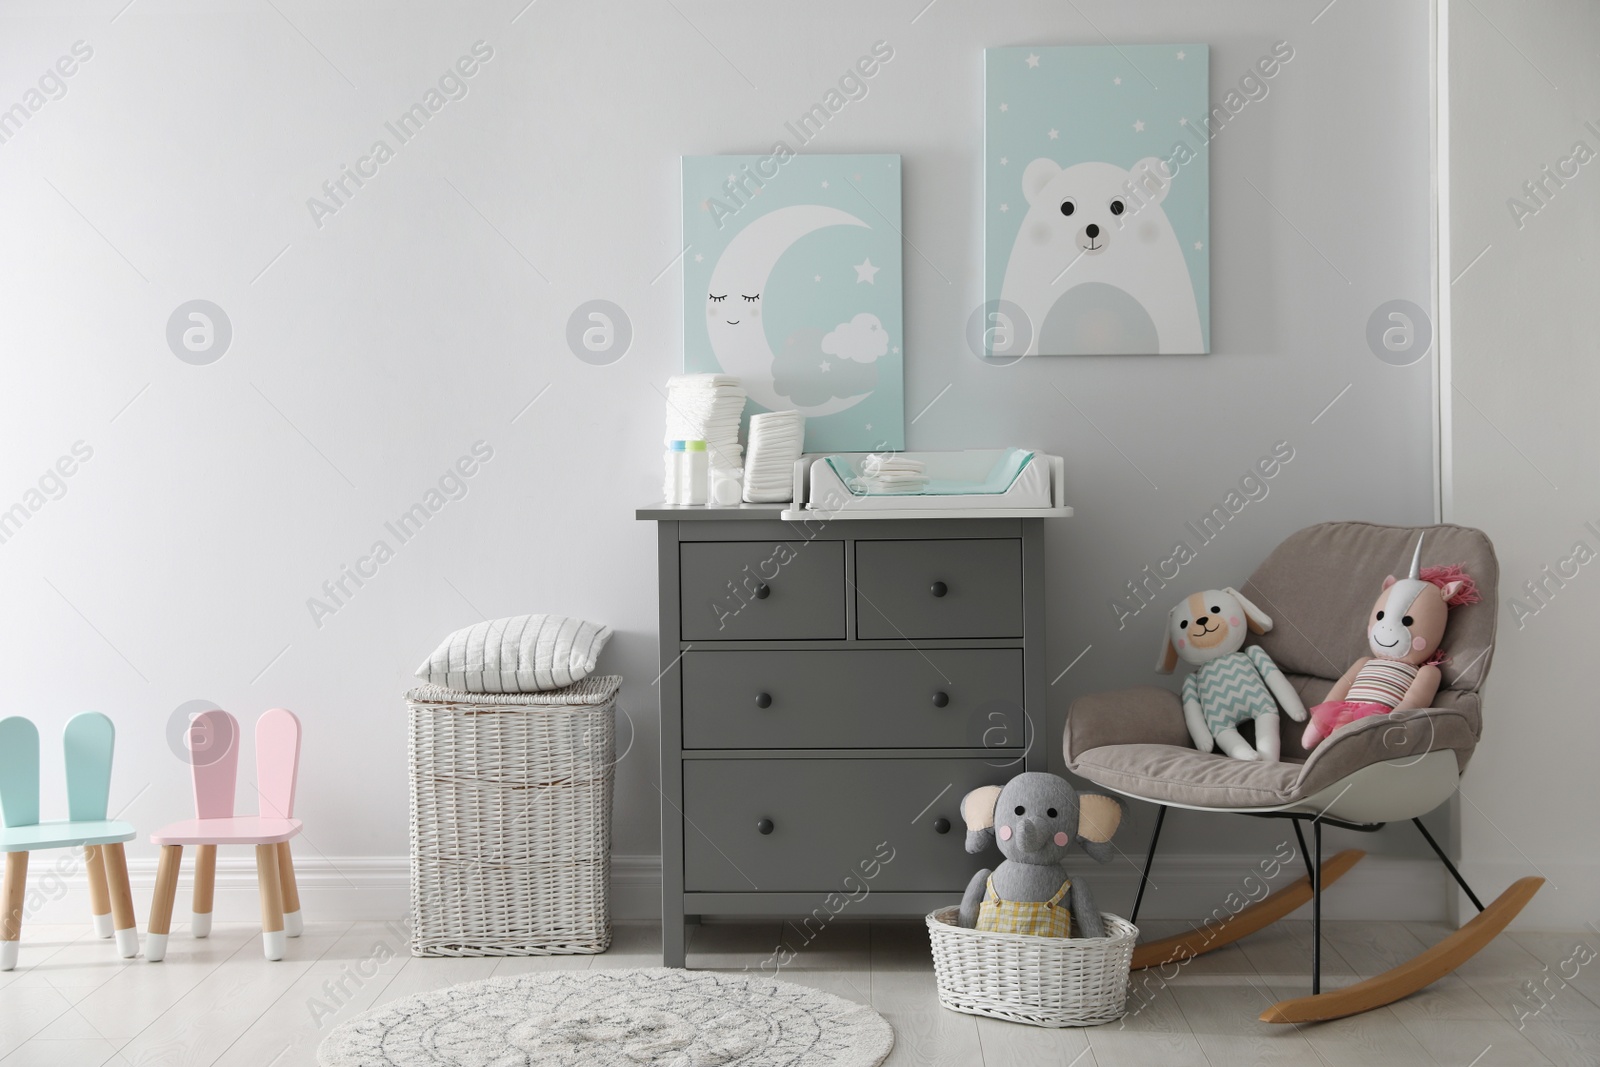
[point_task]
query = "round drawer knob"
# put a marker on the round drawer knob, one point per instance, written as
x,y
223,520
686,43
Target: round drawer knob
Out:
x,y
763,591
763,700
938,589
941,825
941,699
764,826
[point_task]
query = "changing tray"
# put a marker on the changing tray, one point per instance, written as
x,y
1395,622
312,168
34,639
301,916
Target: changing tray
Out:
x,y
993,482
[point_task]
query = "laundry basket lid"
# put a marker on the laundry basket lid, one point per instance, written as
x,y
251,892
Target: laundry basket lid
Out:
x,y
594,690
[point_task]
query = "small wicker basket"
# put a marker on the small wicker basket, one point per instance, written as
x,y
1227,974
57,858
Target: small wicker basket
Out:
x,y
1041,981
511,820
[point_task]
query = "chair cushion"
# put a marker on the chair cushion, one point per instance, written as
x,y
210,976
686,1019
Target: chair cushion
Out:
x,y
1174,772
1320,583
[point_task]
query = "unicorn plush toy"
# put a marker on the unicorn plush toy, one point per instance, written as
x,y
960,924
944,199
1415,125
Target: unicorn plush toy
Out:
x,y
1403,631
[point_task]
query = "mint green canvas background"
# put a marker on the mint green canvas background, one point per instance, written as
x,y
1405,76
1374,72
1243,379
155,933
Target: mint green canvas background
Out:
x,y
1092,95
814,285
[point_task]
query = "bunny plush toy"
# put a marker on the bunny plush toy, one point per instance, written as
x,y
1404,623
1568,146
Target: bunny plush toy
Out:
x,y
1207,631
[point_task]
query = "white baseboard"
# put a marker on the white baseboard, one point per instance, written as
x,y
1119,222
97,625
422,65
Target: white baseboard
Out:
x,y
1182,887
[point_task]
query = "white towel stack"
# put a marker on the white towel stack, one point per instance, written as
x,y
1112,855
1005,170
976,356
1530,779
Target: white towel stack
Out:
x,y
889,472
776,438
706,407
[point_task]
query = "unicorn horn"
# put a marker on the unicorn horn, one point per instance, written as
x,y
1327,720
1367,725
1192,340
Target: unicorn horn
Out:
x,y
1416,560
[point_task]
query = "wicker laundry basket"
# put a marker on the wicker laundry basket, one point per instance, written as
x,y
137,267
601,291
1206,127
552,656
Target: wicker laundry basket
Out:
x,y
511,820
1042,981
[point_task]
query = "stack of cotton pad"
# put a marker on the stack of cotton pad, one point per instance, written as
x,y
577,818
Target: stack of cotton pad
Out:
x,y
889,472
706,407
776,438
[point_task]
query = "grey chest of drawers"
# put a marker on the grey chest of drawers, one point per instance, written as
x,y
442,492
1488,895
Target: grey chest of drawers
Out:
x,y
829,692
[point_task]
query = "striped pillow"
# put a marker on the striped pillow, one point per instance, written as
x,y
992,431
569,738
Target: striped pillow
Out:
x,y
527,654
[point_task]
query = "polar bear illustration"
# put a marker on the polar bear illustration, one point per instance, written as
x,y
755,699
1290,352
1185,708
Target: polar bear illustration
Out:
x,y
1096,267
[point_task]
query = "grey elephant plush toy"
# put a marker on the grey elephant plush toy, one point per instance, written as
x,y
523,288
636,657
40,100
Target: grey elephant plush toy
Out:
x,y
1036,818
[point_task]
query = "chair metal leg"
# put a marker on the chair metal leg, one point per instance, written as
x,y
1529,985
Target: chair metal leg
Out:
x,y
1144,877
1316,908
1305,856
1460,881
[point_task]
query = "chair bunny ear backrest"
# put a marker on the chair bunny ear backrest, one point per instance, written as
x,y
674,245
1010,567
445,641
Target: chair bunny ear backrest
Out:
x,y
277,762
88,742
213,743
19,772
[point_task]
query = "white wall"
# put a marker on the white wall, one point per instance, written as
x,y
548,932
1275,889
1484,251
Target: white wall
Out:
x,y
368,354
1523,92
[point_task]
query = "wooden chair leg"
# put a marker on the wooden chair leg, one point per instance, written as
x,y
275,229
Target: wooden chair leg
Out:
x,y
155,944
293,924
205,882
127,932
16,888
273,942
99,895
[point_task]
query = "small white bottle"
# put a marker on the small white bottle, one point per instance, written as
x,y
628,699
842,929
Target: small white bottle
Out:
x,y
698,473
672,488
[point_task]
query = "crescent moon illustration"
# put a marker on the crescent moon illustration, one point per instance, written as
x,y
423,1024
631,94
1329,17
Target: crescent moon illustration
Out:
x,y
738,335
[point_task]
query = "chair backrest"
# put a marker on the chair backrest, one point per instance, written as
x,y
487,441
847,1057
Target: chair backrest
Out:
x,y
214,763
19,772
277,762
88,742
1320,583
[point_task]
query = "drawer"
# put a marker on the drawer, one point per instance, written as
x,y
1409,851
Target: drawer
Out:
x,y
961,587
761,590
827,818
936,698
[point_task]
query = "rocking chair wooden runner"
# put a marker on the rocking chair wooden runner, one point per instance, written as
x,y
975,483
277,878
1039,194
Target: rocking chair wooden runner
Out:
x,y
1318,586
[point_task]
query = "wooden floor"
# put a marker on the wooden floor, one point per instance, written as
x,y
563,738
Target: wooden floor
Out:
x,y
72,1003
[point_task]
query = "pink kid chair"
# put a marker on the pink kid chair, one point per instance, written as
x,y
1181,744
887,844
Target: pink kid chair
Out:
x,y
214,759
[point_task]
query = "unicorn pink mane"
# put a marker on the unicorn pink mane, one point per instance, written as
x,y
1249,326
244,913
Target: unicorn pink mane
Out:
x,y
1443,576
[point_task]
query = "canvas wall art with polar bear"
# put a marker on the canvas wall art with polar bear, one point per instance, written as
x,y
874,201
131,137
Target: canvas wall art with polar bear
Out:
x,y
1096,201
792,282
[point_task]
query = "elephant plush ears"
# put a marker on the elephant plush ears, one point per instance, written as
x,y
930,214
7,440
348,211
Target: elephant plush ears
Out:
x,y
977,810
1099,816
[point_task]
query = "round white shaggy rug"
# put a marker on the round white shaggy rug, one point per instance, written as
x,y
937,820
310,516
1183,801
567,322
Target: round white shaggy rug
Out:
x,y
658,1016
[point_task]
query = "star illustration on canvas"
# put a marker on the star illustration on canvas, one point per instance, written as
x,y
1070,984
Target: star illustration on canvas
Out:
x,y
1138,125
818,278
825,367
1054,134
824,184
1183,122
698,258
858,176
1032,60
895,350
865,271
1180,55
1116,81
1005,207
1005,107
1004,161
1198,246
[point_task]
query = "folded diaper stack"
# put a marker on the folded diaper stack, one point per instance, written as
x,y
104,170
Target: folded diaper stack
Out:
x,y
891,472
706,407
776,438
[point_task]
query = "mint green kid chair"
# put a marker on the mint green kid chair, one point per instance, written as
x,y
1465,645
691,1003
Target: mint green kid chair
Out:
x,y
88,741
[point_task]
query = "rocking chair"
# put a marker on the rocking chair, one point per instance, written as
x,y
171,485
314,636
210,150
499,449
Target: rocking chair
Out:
x,y
1318,586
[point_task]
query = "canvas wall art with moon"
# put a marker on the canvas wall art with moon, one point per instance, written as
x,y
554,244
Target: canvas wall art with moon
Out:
x,y
792,282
